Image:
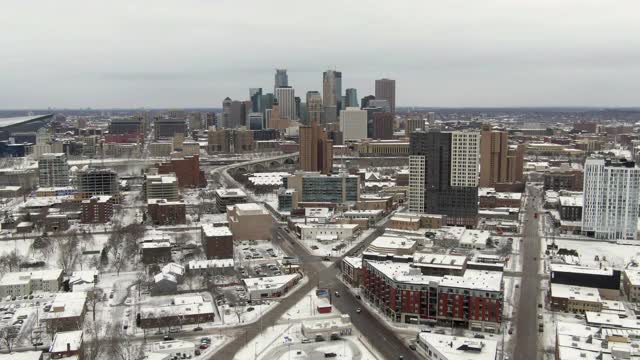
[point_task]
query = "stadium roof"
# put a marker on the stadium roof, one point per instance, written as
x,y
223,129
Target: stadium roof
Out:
x,y
10,121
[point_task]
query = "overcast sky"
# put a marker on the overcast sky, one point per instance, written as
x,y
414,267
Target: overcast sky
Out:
x,y
188,53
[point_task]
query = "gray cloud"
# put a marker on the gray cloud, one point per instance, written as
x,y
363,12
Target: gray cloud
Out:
x,y
442,53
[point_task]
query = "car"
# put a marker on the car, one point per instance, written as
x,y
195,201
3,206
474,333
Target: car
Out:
x,y
517,286
306,340
204,346
478,336
439,331
412,347
539,306
167,338
337,294
358,310
330,355
197,352
358,297
197,328
250,308
510,331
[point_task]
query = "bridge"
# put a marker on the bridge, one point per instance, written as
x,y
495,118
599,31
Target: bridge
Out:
x,y
268,164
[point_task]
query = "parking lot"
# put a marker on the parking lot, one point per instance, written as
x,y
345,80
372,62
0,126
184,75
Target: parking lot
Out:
x,y
21,312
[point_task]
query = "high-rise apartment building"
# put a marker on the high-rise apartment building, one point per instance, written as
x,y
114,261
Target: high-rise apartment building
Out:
x,y
386,90
53,170
499,163
287,100
161,187
255,95
281,79
316,150
351,96
383,125
413,125
353,123
91,182
314,107
443,175
332,89
610,205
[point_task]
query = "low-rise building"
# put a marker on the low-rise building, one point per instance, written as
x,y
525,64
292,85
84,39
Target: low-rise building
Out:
x,y
155,252
448,347
67,344
183,310
212,266
270,287
66,312
174,348
489,198
327,232
228,197
217,241
249,221
571,207
327,327
474,239
393,245
631,284
574,298
606,280
27,282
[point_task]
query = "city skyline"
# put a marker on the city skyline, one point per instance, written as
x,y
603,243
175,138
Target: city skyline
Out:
x,y
494,54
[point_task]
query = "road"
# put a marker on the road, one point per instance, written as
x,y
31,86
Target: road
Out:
x,y
527,309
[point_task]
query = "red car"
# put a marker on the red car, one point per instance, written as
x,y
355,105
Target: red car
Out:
x,y
204,346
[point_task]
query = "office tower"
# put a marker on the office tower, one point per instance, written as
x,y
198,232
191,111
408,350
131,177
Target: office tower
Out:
x,y
53,170
316,150
255,121
386,90
312,187
126,126
332,89
225,119
365,101
297,102
383,125
267,117
610,205
443,175
237,114
267,102
413,125
276,120
499,162
353,123
431,117
351,96
329,115
167,128
255,95
304,114
314,107
287,101
380,103
281,79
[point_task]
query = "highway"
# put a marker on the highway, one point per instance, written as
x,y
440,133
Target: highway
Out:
x,y
526,331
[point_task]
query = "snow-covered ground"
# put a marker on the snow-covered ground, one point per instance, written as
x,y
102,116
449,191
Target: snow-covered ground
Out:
x,y
318,248
609,254
284,340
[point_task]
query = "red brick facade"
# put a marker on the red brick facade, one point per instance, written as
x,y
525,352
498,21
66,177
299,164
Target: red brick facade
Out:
x,y
187,171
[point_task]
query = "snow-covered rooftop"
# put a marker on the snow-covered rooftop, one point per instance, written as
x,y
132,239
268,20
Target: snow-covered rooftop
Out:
x,y
66,340
270,282
475,280
459,348
215,231
230,193
578,293
439,260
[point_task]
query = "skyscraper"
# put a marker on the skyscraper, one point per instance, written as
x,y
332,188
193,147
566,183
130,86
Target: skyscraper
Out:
x,y
443,175
498,162
353,123
224,120
314,107
610,206
332,89
386,90
287,100
255,95
297,102
316,150
281,79
365,101
383,125
266,102
351,96
255,121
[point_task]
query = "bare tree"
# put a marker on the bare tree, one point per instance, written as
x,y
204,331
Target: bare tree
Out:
x,y
506,249
10,261
93,346
119,343
68,251
8,335
141,279
119,263
94,296
116,240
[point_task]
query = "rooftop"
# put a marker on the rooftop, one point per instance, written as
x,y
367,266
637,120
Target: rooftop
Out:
x,y
577,293
475,280
250,209
61,339
10,121
460,348
230,193
439,260
270,282
580,269
15,278
215,231
396,242
402,272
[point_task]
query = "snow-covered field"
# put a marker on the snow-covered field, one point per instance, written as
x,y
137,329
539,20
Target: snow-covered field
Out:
x,y
609,254
318,248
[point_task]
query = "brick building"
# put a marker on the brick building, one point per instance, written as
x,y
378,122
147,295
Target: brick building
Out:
x,y
249,222
163,212
383,125
97,210
187,171
217,242
403,293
